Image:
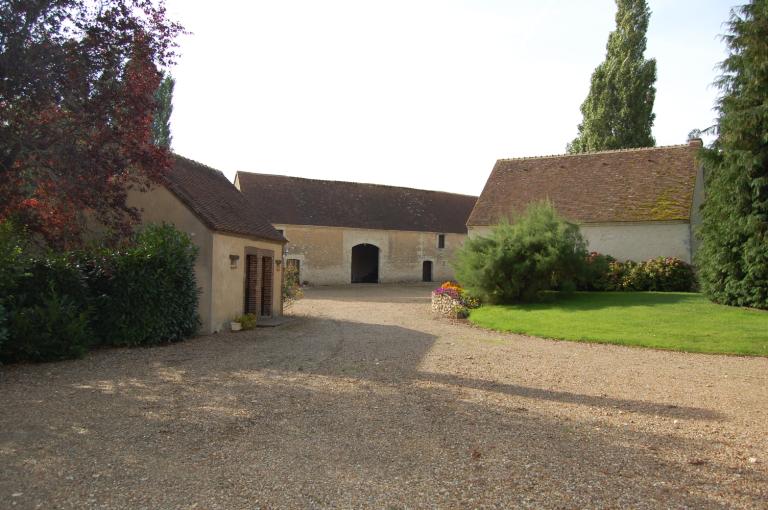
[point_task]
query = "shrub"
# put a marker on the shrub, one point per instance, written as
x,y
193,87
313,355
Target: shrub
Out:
x,y
247,321
291,286
146,293
666,275
3,327
539,251
54,329
596,274
659,274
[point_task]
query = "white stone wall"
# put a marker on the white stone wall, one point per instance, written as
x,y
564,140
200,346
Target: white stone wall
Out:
x,y
632,241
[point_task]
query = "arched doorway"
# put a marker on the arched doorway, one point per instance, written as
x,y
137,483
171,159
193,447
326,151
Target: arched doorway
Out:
x,y
426,271
365,263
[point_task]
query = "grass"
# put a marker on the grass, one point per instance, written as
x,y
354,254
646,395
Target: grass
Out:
x,y
672,321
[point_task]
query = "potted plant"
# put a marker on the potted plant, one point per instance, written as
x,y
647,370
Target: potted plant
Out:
x,y
243,322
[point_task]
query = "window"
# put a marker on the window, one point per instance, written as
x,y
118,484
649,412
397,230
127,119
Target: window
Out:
x,y
441,241
280,231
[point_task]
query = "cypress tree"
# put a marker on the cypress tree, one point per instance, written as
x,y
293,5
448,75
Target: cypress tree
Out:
x,y
618,111
733,255
161,123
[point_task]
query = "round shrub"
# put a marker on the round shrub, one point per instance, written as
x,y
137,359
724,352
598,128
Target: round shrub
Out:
x,y
540,251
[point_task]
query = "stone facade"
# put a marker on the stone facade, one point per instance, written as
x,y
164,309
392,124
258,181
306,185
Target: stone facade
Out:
x,y
324,254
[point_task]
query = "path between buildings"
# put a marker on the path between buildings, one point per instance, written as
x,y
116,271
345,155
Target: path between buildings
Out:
x,y
365,401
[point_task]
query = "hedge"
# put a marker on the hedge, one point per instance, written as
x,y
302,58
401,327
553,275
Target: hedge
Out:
x,y
661,274
57,306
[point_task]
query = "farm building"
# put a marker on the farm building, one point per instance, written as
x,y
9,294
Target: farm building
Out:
x,y
632,204
348,232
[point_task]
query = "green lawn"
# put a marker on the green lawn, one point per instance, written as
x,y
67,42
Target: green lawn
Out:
x,y
669,320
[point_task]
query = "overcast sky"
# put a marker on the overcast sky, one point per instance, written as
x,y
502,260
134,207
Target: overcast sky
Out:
x,y
419,93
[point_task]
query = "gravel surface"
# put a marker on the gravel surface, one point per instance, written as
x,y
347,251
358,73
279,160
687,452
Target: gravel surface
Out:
x,y
365,401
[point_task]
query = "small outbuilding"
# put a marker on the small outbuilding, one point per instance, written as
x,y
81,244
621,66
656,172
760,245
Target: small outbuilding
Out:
x,y
632,204
240,262
348,232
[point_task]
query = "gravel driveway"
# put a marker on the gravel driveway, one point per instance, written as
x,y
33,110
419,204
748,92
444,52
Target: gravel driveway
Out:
x,y
364,401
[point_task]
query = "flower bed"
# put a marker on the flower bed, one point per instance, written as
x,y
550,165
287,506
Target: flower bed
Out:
x,y
450,300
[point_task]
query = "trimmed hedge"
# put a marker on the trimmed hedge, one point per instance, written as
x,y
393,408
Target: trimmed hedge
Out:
x,y
145,294
57,306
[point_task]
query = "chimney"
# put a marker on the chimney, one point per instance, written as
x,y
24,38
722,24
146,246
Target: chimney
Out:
x,y
695,142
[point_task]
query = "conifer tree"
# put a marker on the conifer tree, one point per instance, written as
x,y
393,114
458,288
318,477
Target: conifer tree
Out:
x,y
161,123
618,111
733,256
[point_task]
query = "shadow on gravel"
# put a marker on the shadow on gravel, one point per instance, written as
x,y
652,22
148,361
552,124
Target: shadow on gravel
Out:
x,y
327,413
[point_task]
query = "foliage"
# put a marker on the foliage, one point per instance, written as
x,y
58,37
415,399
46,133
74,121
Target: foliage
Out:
x,y
598,272
13,262
3,326
76,102
246,321
146,293
618,111
539,251
56,328
291,286
733,255
56,305
674,321
664,274
161,122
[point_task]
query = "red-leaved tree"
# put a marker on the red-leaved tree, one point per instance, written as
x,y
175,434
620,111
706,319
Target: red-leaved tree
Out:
x,y
77,80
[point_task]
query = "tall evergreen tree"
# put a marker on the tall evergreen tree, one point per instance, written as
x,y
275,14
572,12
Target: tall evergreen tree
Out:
x,y
618,112
733,256
161,123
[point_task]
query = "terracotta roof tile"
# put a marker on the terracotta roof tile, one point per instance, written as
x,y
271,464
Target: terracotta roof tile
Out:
x,y
299,201
210,195
631,185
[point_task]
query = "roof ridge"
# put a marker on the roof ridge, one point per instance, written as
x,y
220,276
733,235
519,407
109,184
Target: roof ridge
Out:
x,y
357,183
593,153
202,165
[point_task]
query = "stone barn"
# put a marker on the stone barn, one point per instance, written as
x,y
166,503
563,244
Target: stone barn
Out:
x,y
348,232
632,204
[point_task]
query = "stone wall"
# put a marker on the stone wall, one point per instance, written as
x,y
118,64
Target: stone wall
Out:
x,y
325,253
445,305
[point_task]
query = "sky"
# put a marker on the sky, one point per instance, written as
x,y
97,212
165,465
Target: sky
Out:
x,y
418,93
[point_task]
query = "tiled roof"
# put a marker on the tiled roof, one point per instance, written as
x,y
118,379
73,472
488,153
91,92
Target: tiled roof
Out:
x,y
630,185
299,201
216,201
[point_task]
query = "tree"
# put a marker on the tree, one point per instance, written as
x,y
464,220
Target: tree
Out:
x,y
161,123
539,251
618,111
733,255
77,84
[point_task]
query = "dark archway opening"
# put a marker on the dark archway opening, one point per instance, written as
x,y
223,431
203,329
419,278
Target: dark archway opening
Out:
x,y
365,263
426,271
